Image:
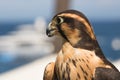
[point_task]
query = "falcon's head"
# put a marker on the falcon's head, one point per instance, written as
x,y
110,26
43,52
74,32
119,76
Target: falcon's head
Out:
x,y
73,26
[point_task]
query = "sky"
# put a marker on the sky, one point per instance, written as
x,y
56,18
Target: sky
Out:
x,y
31,9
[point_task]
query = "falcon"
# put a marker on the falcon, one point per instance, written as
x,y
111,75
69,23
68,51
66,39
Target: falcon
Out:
x,y
80,57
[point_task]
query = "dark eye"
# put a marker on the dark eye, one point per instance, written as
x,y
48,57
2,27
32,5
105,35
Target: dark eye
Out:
x,y
59,20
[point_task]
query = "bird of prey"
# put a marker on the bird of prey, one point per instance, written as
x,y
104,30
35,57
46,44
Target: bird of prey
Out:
x,y
80,57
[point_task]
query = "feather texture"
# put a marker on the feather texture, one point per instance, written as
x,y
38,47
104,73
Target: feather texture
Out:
x,y
80,57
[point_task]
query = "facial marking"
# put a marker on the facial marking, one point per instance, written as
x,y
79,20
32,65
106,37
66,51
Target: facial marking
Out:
x,y
71,34
79,18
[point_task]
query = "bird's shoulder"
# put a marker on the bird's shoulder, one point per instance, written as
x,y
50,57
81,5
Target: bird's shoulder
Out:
x,y
102,73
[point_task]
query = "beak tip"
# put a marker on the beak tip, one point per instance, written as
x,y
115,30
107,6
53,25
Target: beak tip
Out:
x,y
48,33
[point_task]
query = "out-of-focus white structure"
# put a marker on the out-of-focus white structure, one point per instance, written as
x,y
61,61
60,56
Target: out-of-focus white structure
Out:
x,y
32,71
27,40
116,44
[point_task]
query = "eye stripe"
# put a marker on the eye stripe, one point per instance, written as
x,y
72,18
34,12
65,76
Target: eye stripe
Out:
x,y
62,33
81,19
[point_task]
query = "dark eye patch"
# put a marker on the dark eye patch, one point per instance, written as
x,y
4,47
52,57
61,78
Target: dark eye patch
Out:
x,y
59,20
68,20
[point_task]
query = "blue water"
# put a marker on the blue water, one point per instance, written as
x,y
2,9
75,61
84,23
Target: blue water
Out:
x,y
6,27
107,30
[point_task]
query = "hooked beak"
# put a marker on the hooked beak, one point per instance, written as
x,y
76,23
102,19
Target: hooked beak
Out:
x,y
51,30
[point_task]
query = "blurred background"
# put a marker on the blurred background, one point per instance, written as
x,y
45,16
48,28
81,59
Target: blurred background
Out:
x,y
24,47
